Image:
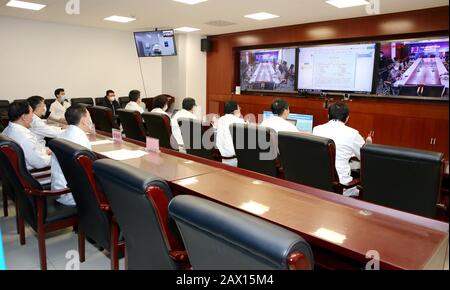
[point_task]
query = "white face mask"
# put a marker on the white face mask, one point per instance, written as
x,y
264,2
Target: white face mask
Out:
x,y
63,98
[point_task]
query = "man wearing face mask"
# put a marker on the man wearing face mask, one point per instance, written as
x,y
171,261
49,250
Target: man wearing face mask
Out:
x,y
20,115
111,102
80,123
38,126
59,107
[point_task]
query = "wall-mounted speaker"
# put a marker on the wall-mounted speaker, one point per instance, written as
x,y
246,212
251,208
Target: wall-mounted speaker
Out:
x,y
206,45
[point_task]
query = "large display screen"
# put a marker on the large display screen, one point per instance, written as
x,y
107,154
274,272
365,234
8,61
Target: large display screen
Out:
x,y
343,68
414,68
155,43
268,70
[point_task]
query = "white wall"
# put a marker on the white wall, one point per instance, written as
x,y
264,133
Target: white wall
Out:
x,y
38,57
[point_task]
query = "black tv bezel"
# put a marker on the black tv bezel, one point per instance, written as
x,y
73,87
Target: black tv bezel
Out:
x,y
272,91
153,31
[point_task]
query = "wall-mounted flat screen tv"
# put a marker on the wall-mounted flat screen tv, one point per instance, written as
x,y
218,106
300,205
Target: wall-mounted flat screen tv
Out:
x,y
155,43
338,68
414,68
271,70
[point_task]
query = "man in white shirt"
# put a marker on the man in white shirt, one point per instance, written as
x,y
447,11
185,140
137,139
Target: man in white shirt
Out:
x,y
348,142
278,122
188,113
80,122
161,105
224,140
135,103
39,126
20,114
59,106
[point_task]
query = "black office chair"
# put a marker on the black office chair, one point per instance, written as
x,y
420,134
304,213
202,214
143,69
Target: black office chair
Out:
x,y
256,148
193,133
220,238
311,161
158,127
4,107
101,102
405,179
140,204
36,206
408,90
86,101
433,91
102,118
132,124
48,103
123,101
148,103
95,216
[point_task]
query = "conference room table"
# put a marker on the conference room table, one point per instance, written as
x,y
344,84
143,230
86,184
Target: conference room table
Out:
x,y
345,233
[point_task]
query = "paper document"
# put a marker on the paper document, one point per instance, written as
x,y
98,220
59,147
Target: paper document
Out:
x,y
101,142
124,154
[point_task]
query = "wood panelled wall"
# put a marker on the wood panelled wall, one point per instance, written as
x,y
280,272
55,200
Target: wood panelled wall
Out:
x,y
401,123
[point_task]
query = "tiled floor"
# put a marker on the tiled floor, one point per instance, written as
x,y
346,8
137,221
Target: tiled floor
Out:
x,y
58,245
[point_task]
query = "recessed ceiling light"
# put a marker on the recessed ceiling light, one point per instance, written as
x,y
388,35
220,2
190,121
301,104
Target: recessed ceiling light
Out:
x,y
25,5
186,29
121,19
347,3
190,2
261,16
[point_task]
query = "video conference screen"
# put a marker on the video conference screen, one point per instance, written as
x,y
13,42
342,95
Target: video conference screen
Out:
x,y
268,70
155,43
343,68
414,68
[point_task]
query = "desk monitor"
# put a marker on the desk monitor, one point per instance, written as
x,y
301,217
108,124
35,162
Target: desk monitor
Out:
x,y
304,123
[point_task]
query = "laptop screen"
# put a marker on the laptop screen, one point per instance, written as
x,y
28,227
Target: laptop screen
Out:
x,y
304,123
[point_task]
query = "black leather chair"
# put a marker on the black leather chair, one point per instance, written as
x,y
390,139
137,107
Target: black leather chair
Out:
x,y
132,124
148,103
255,148
433,91
100,102
140,204
4,107
95,217
221,238
36,206
48,103
86,101
310,160
123,101
408,90
102,118
400,178
193,133
158,127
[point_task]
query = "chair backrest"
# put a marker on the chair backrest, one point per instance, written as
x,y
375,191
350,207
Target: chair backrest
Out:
x,y
4,107
255,148
86,101
193,133
148,103
405,179
132,124
408,90
12,162
76,163
308,160
48,103
123,101
140,205
100,102
433,91
158,127
102,118
221,238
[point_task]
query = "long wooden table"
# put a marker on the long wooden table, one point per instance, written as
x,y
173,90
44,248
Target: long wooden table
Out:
x,y
340,230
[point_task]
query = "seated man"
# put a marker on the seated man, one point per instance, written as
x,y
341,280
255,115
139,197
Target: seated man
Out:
x,y
160,105
80,122
135,103
348,142
111,102
59,106
188,113
39,126
278,122
224,140
20,114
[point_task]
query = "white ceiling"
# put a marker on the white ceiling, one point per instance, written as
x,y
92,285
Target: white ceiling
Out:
x,y
169,14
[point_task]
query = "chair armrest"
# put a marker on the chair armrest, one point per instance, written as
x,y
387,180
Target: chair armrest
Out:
x,y
46,193
40,170
352,184
179,256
